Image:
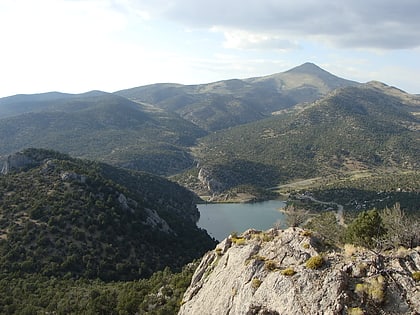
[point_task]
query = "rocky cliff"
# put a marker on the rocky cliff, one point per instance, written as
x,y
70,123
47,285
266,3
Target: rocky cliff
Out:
x,y
291,272
15,162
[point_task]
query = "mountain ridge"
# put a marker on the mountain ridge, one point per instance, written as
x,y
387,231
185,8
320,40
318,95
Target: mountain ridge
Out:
x,y
223,104
353,128
63,216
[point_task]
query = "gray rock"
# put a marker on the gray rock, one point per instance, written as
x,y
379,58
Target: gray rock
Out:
x,y
16,162
252,274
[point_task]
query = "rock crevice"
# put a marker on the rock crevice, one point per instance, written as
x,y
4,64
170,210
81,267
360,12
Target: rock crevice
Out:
x,y
269,273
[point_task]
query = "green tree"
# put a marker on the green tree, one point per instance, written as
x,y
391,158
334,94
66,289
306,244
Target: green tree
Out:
x,y
366,229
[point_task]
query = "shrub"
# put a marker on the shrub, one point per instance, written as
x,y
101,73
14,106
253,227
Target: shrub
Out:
x,y
288,272
374,289
356,311
366,229
349,250
270,265
416,275
315,262
256,283
238,241
306,233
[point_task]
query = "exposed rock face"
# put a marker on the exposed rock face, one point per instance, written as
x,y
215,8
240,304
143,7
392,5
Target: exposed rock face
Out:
x,y
268,273
211,184
15,162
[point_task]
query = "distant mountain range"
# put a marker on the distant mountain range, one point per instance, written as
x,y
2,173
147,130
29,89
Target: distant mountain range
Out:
x,y
261,131
228,103
352,128
100,126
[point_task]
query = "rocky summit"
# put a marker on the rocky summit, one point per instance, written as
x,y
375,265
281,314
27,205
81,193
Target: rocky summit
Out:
x,y
292,272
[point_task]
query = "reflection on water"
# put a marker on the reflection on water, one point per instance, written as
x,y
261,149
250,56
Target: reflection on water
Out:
x,y
220,219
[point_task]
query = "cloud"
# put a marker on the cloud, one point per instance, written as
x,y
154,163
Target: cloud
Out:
x,y
250,40
385,24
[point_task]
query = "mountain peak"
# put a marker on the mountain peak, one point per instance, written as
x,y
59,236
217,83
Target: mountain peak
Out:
x,y
307,67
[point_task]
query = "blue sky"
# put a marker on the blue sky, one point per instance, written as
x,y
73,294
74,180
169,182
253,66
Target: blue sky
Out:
x,y
75,46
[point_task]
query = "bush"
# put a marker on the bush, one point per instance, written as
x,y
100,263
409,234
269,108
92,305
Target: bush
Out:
x,y
288,272
366,229
416,275
374,289
256,283
315,262
356,311
270,265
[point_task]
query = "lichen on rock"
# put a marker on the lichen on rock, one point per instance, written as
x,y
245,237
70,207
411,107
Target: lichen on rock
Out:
x,y
234,278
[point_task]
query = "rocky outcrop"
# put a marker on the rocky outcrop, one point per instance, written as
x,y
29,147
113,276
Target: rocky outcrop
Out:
x,y
289,272
16,161
208,182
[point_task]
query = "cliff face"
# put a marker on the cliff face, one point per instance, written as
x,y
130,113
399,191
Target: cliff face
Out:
x,y
15,162
283,272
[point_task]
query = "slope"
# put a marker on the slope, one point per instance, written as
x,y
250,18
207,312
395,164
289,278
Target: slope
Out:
x,y
100,126
228,103
354,128
61,216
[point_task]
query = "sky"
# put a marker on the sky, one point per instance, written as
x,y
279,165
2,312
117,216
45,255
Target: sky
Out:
x,y
75,46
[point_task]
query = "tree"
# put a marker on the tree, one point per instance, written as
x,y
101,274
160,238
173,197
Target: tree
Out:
x,y
366,229
295,216
401,230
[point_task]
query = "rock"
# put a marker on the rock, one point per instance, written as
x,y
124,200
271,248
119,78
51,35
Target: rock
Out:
x,y
210,183
71,176
16,162
155,221
267,273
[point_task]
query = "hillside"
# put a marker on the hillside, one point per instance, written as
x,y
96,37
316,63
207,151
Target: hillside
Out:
x,y
351,129
98,126
66,217
228,103
291,272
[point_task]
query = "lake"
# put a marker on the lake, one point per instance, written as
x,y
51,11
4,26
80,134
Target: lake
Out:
x,y
221,219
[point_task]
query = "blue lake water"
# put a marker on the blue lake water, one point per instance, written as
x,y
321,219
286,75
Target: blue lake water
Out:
x,y
221,219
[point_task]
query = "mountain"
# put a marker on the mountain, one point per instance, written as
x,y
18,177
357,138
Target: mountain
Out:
x,y
66,217
51,101
351,129
228,103
101,126
290,272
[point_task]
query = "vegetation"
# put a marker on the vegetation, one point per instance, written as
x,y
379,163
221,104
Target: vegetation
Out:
x,y
103,127
270,265
315,262
65,217
353,129
224,104
36,294
373,289
255,283
288,272
373,190
366,229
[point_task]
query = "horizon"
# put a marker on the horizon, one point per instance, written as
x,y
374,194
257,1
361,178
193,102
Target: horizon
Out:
x,y
76,46
156,83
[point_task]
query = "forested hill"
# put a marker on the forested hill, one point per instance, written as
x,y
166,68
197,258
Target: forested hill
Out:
x,y
61,216
99,126
354,128
227,103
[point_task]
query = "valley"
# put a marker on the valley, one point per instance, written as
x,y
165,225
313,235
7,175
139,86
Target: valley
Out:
x,y
99,191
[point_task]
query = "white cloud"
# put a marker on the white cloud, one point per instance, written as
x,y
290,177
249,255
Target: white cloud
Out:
x,y
384,24
240,39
